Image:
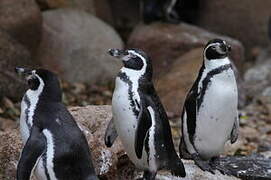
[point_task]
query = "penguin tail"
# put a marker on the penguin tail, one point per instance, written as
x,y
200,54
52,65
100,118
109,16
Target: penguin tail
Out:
x,y
176,167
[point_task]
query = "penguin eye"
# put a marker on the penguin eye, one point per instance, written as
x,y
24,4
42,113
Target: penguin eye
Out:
x,y
213,47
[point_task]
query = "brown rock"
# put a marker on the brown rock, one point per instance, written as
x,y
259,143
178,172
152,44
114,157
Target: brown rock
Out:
x,y
12,54
10,148
165,42
75,45
94,120
22,20
173,86
246,20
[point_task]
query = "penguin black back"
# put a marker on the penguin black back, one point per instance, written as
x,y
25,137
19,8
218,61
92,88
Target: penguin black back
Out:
x,y
56,148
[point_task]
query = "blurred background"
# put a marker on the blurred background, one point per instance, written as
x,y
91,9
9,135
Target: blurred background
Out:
x,y
71,37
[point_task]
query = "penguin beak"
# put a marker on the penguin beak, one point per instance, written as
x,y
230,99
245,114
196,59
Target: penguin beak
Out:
x,y
23,71
228,48
118,53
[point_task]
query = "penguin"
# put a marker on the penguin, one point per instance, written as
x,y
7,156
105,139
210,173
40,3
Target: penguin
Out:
x,y
139,118
210,114
54,146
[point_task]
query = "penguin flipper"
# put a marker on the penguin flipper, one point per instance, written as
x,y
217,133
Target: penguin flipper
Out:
x,y
144,124
235,131
32,150
110,134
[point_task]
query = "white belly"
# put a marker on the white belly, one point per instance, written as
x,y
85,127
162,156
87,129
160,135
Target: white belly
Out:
x,y
126,123
216,115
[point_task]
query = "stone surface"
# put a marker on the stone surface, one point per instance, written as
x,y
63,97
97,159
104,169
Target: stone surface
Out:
x,y
75,44
112,163
22,20
12,54
258,77
86,5
246,20
173,87
9,153
93,120
166,42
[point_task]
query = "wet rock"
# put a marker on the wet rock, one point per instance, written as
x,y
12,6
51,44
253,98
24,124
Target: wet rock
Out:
x,y
253,167
22,20
166,42
86,5
75,44
246,21
12,54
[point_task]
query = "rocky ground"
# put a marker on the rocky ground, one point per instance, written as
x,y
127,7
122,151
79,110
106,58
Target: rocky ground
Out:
x,y
71,37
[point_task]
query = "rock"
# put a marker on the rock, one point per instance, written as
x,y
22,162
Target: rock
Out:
x,y
258,77
12,54
86,5
166,42
175,84
173,87
246,21
75,44
93,120
10,148
113,163
22,20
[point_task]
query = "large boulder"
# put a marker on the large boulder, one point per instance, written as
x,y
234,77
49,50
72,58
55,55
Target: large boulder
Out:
x,y
246,20
75,43
166,42
110,163
12,54
22,20
173,86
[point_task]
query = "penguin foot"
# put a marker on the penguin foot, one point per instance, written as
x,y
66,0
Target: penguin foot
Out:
x,y
203,165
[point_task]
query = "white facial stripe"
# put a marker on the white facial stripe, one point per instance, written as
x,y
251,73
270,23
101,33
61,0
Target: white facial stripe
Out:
x,y
50,153
33,96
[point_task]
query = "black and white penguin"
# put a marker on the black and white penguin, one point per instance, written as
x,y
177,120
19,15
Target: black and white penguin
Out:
x,y
139,118
210,115
54,146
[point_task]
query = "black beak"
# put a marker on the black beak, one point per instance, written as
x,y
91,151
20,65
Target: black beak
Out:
x,y
228,48
22,71
118,53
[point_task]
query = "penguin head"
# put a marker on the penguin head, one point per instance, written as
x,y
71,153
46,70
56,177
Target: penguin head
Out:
x,y
134,60
42,80
216,49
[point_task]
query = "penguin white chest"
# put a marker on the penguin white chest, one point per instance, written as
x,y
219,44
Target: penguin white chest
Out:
x,y
217,114
124,107
24,129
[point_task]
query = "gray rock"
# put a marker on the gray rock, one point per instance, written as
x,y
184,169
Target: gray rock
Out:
x,y
75,44
12,54
246,20
166,42
22,20
258,77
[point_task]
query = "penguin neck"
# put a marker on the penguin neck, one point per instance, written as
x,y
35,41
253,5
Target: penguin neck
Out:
x,y
215,63
134,75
